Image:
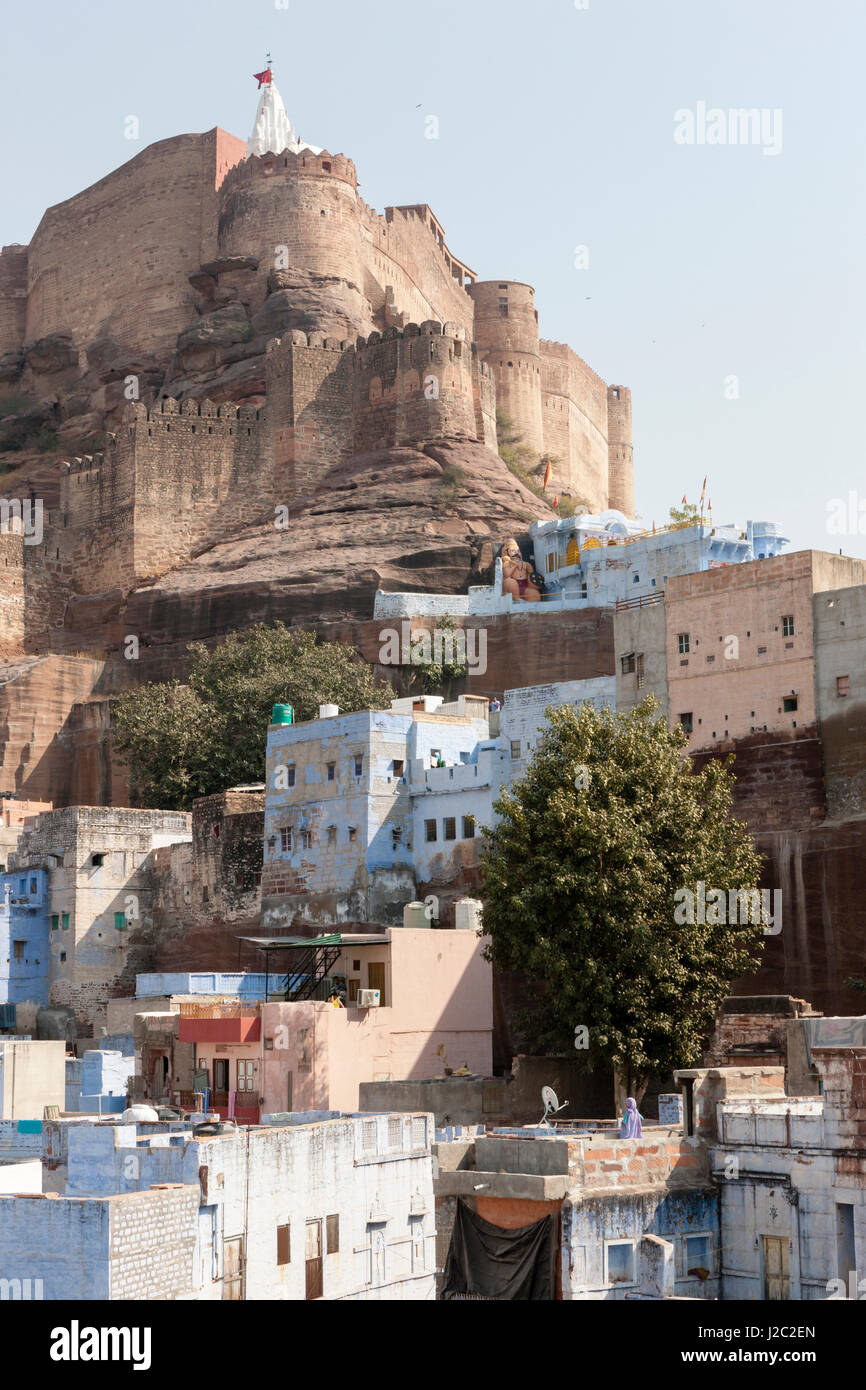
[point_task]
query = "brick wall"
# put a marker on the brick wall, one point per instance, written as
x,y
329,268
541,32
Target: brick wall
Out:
x,y
152,1243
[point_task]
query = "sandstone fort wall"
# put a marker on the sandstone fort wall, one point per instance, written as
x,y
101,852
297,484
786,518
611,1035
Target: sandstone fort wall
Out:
x,y
410,275
115,259
13,297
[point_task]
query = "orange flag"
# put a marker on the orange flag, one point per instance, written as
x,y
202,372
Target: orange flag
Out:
x,y
547,473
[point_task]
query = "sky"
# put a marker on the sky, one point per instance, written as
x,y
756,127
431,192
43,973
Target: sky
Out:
x,y
722,282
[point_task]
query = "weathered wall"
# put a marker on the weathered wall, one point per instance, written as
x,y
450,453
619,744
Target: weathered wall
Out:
x,y
115,259
13,297
840,687
409,273
506,333
575,422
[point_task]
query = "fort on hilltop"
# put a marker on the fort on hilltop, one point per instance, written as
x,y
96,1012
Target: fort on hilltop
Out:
x,y
174,274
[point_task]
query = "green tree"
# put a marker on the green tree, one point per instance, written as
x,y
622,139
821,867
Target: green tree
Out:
x,y
579,881
183,741
689,514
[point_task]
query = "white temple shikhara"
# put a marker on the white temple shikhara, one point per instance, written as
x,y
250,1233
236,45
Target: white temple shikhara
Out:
x,y
272,132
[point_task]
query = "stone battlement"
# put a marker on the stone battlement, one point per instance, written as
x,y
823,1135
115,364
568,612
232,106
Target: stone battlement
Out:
x,y
290,162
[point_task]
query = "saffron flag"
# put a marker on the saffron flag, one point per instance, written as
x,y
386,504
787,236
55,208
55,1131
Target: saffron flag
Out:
x,y
547,473
556,501
684,500
262,77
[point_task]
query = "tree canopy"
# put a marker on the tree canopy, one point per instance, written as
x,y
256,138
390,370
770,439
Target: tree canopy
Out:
x,y
582,880
181,741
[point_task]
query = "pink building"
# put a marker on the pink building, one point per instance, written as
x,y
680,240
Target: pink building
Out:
x,y
435,1009
751,623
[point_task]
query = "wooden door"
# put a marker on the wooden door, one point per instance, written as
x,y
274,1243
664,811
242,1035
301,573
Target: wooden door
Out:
x,y
233,1269
777,1268
376,978
313,1258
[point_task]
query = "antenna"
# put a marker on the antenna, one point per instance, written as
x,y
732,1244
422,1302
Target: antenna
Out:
x,y
551,1105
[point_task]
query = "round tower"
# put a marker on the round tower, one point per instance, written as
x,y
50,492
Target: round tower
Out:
x,y
506,334
620,451
297,212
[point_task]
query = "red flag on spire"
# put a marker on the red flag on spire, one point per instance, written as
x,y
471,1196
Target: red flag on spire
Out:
x,y
262,77
684,500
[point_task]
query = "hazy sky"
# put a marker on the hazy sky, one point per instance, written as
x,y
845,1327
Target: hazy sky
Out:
x,y
725,286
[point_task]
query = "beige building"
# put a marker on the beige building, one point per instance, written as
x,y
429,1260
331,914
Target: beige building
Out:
x,y
32,1075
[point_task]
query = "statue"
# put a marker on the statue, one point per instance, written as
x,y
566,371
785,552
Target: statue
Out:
x,y
518,577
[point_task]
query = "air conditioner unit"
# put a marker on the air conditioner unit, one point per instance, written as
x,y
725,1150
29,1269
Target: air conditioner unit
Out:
x,y
368,999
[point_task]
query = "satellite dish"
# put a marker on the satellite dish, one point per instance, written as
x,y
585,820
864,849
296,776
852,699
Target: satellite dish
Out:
x,y
551,1105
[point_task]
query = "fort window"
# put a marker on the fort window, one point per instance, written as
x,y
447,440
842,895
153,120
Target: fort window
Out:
x,y
842,686
358,761
469,827
789,704
788,625
627,663
429,832
640,670
18,950
515,748
398,766
686,721
332,767
306,839
683,643
286,840
290,775
97,860
284,1246
449,828
332,834
352,832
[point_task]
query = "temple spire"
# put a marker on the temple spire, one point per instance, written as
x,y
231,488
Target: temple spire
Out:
x,y
273,132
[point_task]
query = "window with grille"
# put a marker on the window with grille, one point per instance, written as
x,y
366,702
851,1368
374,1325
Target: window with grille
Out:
x,y
395,1133
359,765
290,775
332,834
627,664
687,721
640,671
419,1132
306,839
332,770
515,748
469,827
369,1136
286,840
683,643
429,830
789,704
284,1245
18,950
450,828
788,625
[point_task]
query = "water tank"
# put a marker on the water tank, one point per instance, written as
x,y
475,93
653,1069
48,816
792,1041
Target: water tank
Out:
x,y
282,714
467,914
415,915
328,711
139,1114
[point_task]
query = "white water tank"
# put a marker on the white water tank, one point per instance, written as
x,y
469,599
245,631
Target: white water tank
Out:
x,y
415,915
328,711
467,914
139,1114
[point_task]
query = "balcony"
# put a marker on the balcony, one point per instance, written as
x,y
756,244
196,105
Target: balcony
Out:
x,y
219,1023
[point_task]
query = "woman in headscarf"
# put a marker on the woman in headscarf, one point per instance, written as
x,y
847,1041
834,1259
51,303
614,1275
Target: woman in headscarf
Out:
x,y
630,1126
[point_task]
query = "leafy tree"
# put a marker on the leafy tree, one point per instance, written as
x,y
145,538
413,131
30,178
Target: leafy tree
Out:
x,y
183,741
689,514
580,875
436,676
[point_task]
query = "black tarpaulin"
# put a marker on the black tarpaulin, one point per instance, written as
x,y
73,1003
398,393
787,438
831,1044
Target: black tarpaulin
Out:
x,y
490,1262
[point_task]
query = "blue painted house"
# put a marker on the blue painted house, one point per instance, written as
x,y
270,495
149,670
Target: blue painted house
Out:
x,y
24,936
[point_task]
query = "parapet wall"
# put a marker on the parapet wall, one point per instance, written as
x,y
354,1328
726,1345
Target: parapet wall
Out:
x,y
172,479
410,275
